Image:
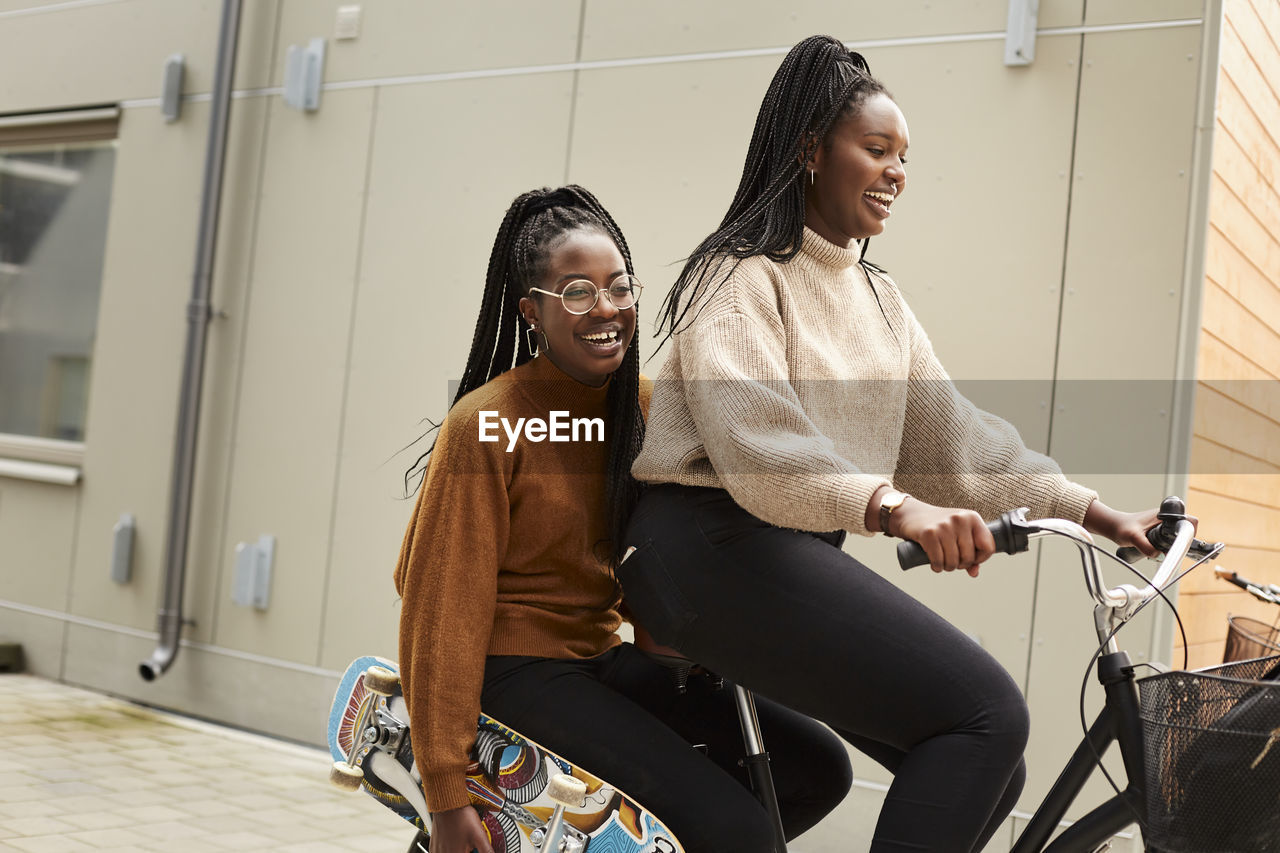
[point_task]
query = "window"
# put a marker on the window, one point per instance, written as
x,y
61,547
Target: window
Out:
x,y
55,187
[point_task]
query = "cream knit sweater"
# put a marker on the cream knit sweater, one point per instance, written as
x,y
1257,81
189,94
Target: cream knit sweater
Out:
x,y
803,387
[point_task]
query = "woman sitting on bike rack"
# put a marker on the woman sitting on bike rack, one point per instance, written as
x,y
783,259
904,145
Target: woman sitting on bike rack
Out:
x,y
802,399
509,601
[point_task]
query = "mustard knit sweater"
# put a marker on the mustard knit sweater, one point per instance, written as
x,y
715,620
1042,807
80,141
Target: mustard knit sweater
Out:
x,y
802,387
501,557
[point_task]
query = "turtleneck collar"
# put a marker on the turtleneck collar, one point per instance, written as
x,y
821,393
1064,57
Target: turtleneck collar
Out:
x,y
543,369
822,252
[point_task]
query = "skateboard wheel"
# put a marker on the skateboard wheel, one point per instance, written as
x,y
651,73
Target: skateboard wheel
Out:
x,y
380,680
345,776
566,790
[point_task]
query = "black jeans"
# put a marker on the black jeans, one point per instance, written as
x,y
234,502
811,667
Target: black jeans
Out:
x,y
790,616
620,717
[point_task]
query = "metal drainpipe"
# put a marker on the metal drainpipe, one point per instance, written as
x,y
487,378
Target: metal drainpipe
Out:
x,y
169,618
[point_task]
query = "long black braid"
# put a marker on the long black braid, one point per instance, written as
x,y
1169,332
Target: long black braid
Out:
x,y
533,225
819,83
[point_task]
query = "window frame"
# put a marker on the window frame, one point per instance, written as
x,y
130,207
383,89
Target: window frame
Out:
x,y
51,460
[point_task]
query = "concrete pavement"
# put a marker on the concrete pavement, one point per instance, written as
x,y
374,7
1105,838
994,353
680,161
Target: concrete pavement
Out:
x,y
80,771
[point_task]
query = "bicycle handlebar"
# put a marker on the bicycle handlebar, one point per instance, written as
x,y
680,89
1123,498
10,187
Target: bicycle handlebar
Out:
x,y
1013,533
1269,593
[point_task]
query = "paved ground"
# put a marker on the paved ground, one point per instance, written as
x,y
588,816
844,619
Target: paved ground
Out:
x,y
83,771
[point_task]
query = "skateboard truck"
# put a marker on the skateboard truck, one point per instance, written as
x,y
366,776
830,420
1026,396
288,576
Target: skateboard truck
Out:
x,y
387,734
558,836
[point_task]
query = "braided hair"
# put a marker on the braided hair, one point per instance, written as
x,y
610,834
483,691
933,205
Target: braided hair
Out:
x,y
819,84
532,226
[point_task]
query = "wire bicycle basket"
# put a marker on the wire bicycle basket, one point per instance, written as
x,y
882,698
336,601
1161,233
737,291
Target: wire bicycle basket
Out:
x,y
1212,741
1249,638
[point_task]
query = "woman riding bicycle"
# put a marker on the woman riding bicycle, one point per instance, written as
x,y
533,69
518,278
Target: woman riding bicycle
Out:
x,y
802,399
509,602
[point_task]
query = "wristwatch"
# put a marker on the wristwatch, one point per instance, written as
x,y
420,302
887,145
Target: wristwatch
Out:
x,y
891,501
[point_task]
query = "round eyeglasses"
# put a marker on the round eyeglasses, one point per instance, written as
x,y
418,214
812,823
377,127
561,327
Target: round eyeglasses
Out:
x,y
580,296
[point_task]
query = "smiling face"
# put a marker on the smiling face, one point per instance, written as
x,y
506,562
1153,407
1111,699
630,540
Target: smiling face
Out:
x,y
588,347
858,173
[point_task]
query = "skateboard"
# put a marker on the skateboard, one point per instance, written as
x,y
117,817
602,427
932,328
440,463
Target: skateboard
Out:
x,y
526,795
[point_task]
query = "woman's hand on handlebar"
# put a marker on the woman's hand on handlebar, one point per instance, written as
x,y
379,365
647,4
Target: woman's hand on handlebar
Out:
x,y
458,831
953,538
1124,528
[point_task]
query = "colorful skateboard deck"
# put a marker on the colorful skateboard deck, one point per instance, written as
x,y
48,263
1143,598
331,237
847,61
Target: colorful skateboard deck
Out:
x,y
507,777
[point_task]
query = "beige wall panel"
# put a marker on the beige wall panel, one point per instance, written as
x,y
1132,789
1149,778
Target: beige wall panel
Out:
x,y
1059,13
400,37
260,697
232,275
138,356
42,639
297,328
1136,11
435,202
1124,259
657,27
670,204
37,527
23,8
133,398
978,234
106,53
1125,253
663,147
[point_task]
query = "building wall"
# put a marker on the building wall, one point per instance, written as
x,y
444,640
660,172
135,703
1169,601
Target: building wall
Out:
x,y
1047,217
1235,462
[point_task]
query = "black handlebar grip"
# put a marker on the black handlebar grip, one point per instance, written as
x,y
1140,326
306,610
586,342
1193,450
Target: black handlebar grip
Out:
x,y
1162,536
1009,531
1199,548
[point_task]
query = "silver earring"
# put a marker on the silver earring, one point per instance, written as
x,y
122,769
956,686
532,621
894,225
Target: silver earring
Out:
x,y
811,177
530,337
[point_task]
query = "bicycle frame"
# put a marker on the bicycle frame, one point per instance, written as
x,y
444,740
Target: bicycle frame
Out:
x,y
1118,721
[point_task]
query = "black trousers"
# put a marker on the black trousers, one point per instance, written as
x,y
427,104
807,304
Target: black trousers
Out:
x,y
793,618
620,717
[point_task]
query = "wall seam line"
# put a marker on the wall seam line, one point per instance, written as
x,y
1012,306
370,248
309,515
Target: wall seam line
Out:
x,y
250,276
346,376
72,620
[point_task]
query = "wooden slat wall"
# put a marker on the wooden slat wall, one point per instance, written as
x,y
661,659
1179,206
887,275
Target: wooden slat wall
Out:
x,y
1235,457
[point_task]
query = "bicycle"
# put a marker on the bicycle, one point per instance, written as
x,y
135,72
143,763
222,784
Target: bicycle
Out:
x,y
1197,746
1248,637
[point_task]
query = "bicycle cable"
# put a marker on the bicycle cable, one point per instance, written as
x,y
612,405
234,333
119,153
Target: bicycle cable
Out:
x,y
1097,654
